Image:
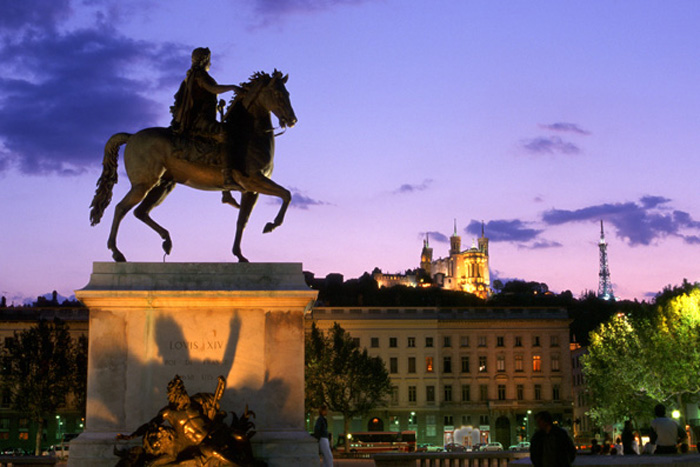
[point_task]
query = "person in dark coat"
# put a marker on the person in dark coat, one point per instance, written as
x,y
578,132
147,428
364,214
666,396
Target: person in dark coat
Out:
x,y
323,437
551,445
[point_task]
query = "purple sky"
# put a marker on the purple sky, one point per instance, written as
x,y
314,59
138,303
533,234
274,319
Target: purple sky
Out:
x,y
539,118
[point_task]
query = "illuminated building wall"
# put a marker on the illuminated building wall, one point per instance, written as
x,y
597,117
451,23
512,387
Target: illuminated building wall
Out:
x,y
479,367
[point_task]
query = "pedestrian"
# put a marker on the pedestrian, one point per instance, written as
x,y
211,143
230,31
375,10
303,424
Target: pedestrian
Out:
x,y
595,447
666,433
551,445
618,446
628,439
323,437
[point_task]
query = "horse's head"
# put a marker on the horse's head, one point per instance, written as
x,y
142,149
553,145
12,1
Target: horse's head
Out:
x,y
275,98
267,92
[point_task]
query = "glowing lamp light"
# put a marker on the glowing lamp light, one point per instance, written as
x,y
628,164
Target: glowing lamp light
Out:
x,y
676,414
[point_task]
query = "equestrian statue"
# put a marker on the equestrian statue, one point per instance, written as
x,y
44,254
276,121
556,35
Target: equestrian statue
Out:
x,y
235,154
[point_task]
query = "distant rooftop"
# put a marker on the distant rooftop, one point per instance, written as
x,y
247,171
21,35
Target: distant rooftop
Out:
x,y
481,313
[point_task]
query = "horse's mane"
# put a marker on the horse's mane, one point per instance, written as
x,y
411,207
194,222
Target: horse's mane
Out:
x,y
256,80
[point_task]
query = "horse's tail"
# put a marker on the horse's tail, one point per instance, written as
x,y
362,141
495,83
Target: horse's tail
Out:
x,y
103,193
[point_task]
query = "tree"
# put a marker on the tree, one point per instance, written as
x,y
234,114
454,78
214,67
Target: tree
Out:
x,y
342,376
613,368
39,371
636,361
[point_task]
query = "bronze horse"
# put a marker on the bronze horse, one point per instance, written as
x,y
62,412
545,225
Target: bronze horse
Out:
x,y
154,165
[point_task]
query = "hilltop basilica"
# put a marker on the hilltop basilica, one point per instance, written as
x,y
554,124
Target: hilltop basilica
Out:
x,y
467,271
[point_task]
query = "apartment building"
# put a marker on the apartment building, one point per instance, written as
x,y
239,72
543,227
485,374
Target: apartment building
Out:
x,y
488,368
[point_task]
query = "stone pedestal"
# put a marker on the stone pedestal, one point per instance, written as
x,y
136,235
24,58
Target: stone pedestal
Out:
x,y
151,321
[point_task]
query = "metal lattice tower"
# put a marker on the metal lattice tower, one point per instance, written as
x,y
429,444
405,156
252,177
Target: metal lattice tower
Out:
x,y
605,288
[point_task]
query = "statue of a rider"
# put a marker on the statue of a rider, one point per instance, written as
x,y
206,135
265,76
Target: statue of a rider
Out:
x,y
194,111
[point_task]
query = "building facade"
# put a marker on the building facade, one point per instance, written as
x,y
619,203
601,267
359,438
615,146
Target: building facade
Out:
x,y
462,270
488,368
16,429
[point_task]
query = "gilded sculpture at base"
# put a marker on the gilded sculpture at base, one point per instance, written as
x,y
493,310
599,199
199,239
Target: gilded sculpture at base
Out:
x,y
190,431
235,154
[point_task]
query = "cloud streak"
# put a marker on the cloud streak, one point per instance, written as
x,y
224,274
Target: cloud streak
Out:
x,y
549,145
411,188
435,236
637,223
564,128
269,10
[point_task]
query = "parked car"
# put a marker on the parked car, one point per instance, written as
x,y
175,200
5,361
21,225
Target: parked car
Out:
x,y
427,447
493,446
14,452
455,447
522,446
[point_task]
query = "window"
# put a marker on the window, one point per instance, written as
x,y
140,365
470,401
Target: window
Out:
x,y
501,392
447,341
428,341
430,429
554,341
428,364
411,394
6,399
500,341
5,429
555,392
520,392
448,393
538,392
555,362
411,364
374,342
464,341
482,364
465,364
484,392
466,393
411,342
356,341
395,395
501,363
536,363
449,421
393,365
483,419
518,363
393,342
430,393
518,341
447,364
482,341
535,341
466,420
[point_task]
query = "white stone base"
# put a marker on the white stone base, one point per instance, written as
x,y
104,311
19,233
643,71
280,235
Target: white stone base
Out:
x,y
151,321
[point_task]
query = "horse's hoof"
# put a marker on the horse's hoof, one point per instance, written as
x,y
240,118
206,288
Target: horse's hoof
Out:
x,y
167,246
269,227
243,259
118,257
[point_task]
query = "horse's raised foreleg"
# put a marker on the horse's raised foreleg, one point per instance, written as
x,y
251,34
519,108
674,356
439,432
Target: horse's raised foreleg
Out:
x,y
156,196
135,195
227,198
248,200
264,186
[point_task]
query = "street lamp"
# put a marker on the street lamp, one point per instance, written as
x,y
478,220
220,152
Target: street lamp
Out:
x,y
527,424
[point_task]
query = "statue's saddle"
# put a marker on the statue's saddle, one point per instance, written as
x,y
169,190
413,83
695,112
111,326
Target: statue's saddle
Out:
x,y
197,149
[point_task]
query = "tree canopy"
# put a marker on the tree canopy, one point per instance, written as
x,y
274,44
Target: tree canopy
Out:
x,y
635,361
40,371
342,376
